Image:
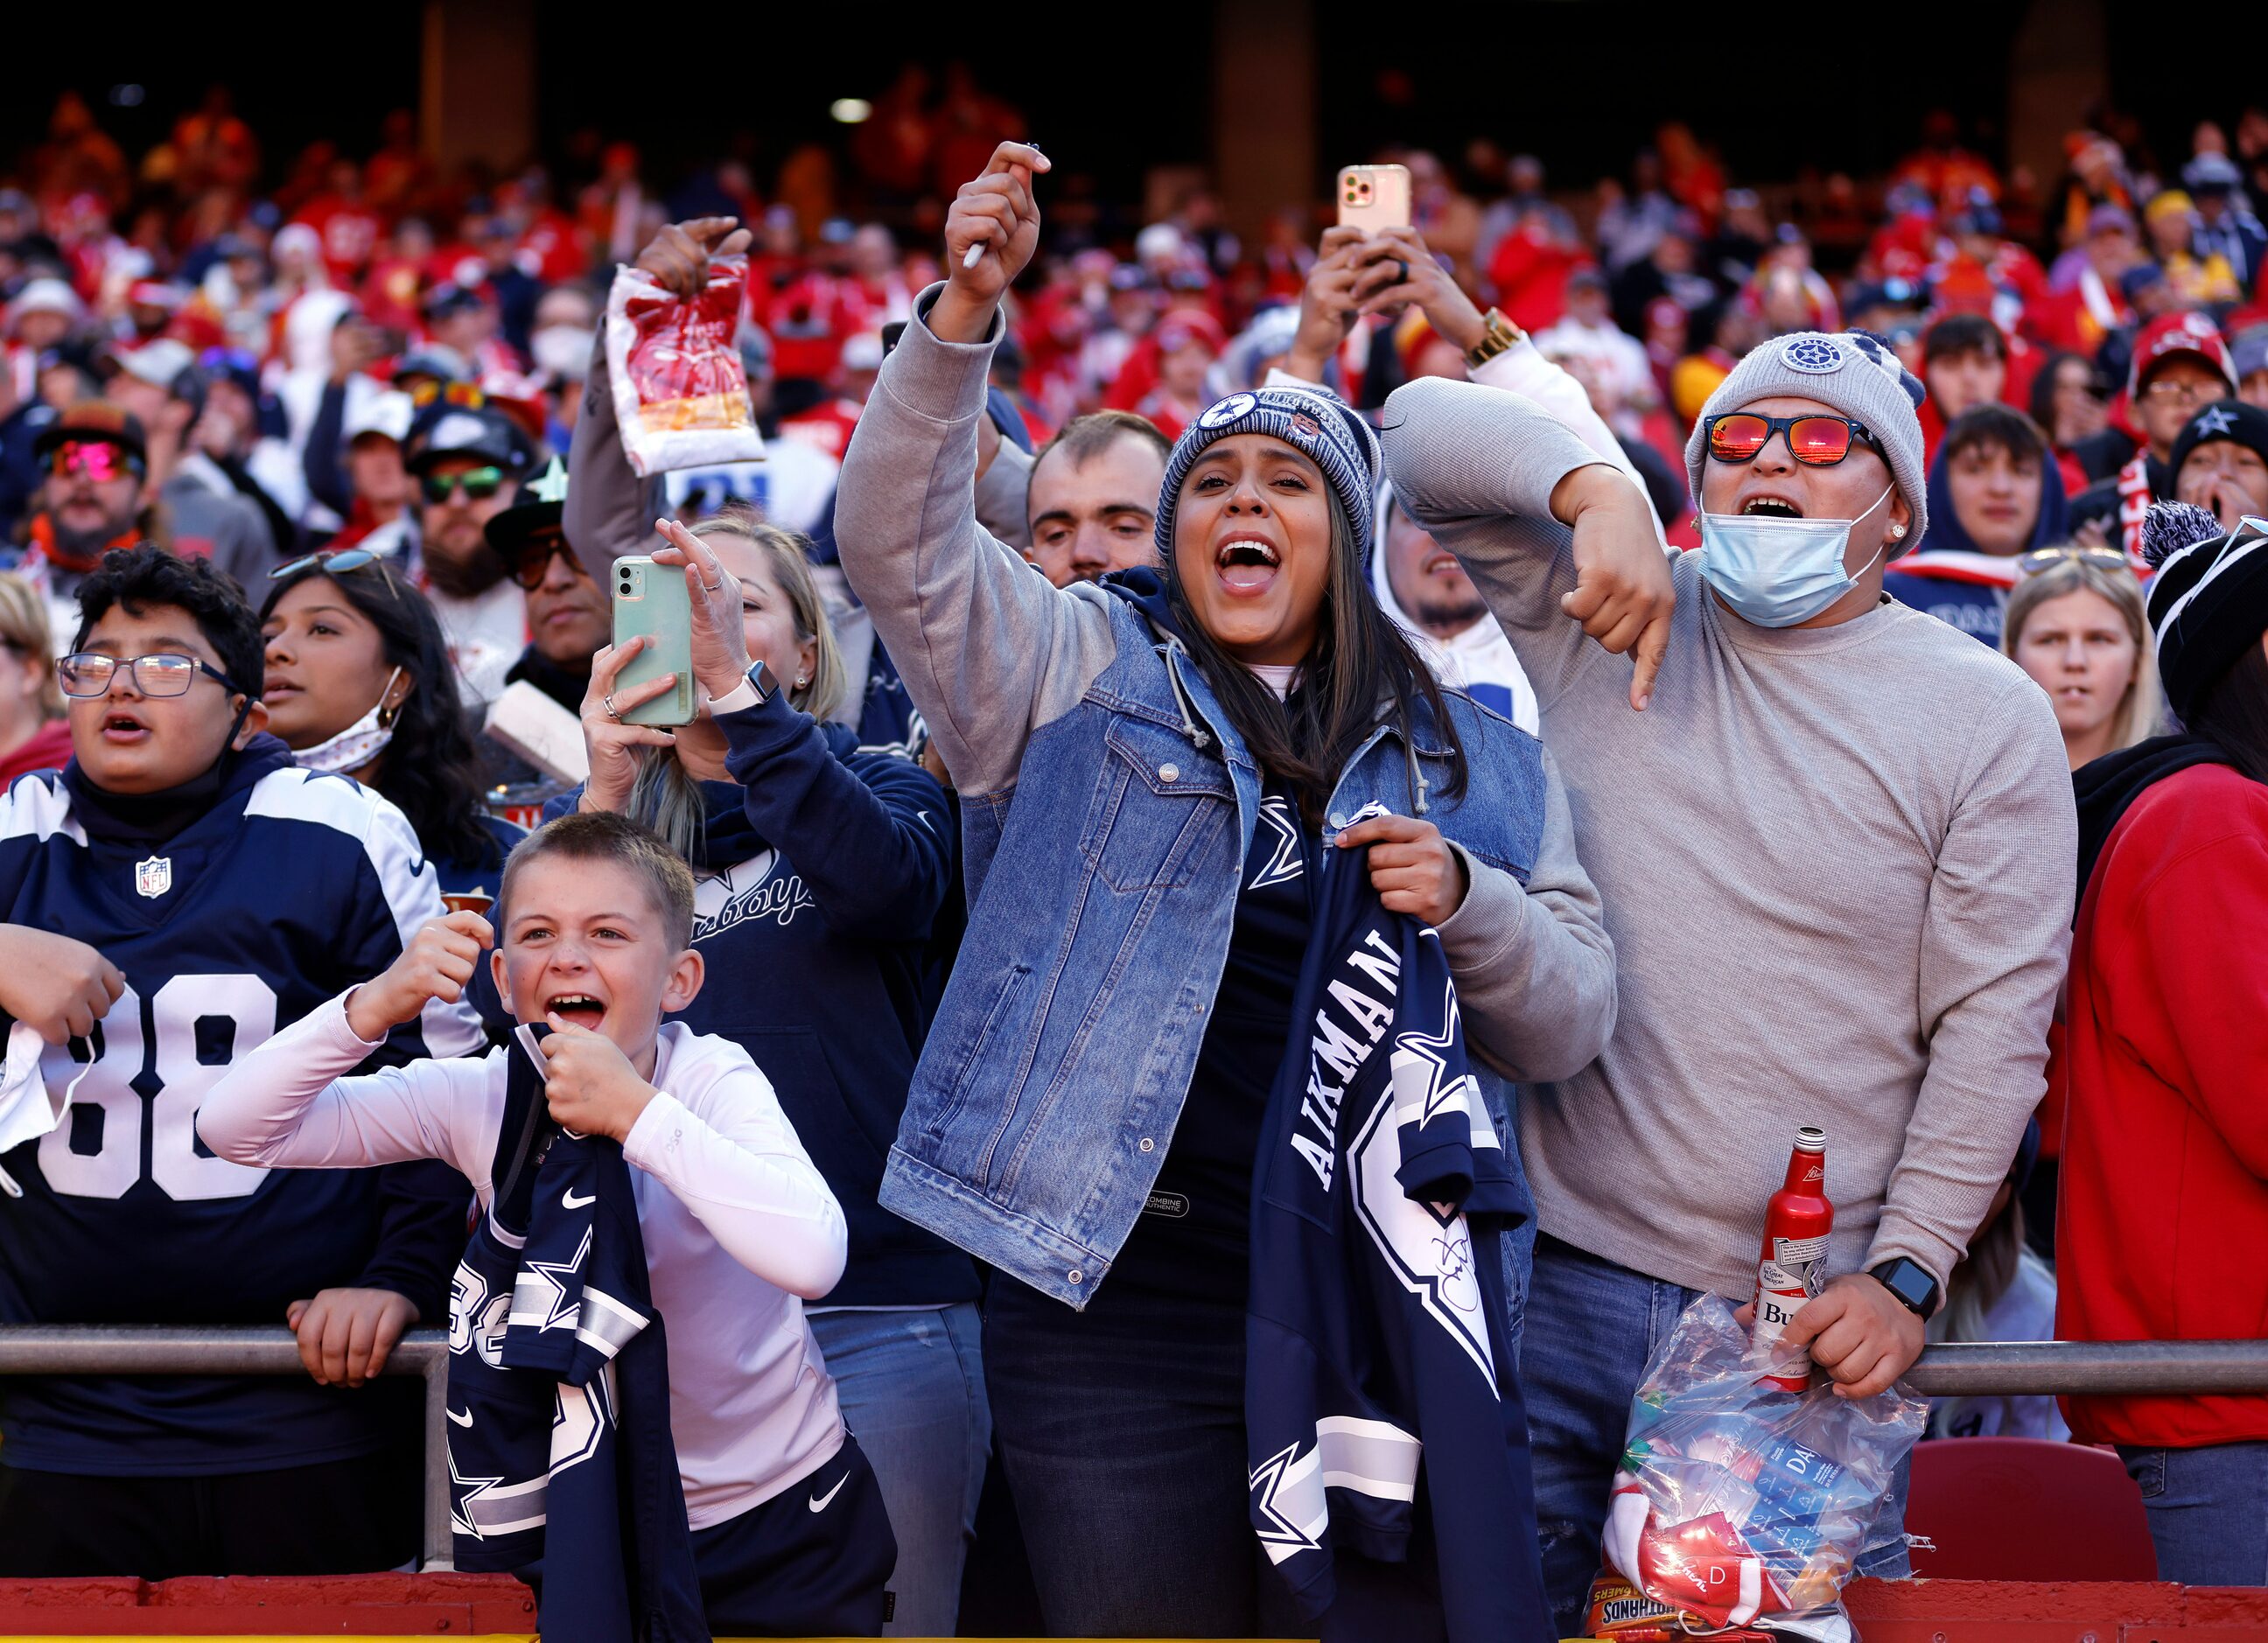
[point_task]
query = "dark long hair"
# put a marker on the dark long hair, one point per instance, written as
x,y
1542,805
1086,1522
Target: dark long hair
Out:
x,y
428,768
1359,656
2234,712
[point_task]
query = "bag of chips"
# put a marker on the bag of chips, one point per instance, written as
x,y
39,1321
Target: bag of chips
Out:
x,y
681,396
1739,1504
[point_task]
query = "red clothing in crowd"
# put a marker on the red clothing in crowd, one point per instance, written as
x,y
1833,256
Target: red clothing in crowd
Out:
x,y
2164,1212
46,748
349,231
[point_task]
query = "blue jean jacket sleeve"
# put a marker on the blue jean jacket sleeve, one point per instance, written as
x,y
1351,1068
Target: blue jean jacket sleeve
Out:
x,y
868,831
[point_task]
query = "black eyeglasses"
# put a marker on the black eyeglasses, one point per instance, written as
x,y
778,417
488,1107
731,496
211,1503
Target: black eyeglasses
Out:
x,y
84,673
1816,440
478,484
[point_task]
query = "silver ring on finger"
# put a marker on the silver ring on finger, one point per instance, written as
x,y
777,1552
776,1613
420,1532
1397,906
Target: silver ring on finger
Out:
x,y
607,703
718,586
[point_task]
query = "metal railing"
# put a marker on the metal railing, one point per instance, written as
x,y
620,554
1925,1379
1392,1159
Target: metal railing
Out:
x,y
2077,1368
164,1349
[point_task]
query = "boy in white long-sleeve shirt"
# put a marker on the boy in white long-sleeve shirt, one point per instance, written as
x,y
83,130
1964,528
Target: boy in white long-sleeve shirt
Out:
x,y
739,1226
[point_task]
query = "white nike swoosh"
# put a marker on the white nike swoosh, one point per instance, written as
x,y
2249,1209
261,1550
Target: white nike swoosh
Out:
x,y
819,1503
569,1200
465,1419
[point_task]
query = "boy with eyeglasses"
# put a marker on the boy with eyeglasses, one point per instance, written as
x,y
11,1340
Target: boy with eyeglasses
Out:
x,y
1835,854
468,460
179,892
2181,364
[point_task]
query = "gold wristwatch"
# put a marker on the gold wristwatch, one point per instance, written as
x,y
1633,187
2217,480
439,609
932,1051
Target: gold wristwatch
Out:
x,y
1497,335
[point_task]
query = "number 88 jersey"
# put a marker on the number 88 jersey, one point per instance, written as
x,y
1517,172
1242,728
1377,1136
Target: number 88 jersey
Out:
x,y
292,888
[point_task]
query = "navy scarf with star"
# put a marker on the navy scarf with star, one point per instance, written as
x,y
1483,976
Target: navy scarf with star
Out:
x,y
561,1463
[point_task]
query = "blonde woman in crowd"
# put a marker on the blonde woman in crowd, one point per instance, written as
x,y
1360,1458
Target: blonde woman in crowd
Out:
x,y
33,735
2075,623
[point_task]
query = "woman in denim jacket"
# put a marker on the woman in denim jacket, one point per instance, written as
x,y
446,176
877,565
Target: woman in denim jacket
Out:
x,y
1149,768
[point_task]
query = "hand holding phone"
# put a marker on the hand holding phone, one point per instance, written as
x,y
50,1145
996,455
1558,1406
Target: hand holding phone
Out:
x,y
651,603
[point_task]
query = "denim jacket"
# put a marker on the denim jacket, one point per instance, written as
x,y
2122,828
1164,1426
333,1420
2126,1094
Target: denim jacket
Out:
x,y
1107,806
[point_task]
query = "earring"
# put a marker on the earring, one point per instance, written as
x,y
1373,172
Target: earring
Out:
x,y
387,715
802,680
1897,532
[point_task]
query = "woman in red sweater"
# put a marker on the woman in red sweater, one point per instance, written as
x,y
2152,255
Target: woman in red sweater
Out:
x,y
2163,1231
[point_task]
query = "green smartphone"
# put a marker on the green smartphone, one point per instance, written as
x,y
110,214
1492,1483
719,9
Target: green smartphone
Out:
x,y
651,600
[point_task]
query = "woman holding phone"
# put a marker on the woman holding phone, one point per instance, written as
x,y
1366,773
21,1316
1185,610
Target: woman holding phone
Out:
x,y
819,866
1149,768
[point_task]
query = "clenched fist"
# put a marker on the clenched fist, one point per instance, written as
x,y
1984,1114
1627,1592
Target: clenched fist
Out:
x,y
346,1335
589,1084
438,963
57,987
1411,867
993,214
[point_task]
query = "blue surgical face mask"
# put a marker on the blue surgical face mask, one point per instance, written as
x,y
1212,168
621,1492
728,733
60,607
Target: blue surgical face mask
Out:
x,y
1778,572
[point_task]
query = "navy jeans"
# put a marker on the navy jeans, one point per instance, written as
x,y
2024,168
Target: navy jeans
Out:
x,y
2208,1511
1121,1433
1591,1327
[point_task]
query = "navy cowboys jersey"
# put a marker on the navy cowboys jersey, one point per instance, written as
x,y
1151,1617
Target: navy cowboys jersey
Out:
x,y
291,889
1381,1411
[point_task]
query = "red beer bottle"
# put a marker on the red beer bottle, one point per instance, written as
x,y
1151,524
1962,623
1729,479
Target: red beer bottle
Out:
x,y
1794,1265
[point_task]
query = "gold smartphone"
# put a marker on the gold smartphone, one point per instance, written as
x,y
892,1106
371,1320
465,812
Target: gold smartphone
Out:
x,y
1372,197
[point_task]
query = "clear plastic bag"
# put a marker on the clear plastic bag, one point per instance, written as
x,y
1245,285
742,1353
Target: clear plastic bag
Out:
x,y
680,395
1738,1504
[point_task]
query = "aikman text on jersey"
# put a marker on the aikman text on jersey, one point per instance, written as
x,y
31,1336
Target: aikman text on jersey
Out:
x,y
1342,1053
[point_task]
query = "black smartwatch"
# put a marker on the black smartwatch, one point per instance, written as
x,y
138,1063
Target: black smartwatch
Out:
x,y
760,681
1910,1281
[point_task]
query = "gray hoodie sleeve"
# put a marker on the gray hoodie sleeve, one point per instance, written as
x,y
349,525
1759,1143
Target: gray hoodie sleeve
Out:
x,y
988,650
610,511
1534,968
1476,466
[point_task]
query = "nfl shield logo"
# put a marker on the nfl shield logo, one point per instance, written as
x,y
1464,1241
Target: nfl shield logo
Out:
x,y
154,876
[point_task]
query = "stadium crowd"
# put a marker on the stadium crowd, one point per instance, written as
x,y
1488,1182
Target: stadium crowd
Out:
x,y
943,966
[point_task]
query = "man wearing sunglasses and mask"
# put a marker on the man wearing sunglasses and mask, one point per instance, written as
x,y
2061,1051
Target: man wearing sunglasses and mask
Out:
x,y
1834,851
468,458
175,895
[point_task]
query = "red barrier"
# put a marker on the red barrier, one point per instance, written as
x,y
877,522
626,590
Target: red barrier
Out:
x,y
477,1605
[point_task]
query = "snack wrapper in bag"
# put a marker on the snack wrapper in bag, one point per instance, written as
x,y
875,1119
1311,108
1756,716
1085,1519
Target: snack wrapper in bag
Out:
x,y
1738,1504
681,396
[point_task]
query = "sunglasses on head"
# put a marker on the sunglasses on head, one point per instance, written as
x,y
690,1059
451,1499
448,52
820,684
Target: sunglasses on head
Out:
x,y
2042,559
334,562
478,484
1815,440
96,460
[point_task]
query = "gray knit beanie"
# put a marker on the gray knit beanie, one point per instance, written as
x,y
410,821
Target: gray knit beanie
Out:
x,y
1320,425
1857,374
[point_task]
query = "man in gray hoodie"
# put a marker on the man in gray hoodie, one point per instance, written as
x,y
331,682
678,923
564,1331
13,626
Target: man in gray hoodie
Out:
x,y
1835,850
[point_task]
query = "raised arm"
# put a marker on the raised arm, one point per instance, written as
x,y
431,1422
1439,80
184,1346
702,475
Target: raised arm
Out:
x,y
1535,966
989,651
610,511
730,1156
1560,543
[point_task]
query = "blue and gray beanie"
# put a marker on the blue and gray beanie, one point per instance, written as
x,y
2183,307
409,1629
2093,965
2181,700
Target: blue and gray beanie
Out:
x,y
1323,429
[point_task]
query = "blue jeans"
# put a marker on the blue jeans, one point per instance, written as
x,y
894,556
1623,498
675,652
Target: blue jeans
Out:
x,y
1122,1434
2208,1511
1591,1327
911,1381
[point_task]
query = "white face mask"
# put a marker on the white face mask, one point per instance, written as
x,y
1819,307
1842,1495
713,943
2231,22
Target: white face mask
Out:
x,y
562,351
1778,572
358,743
